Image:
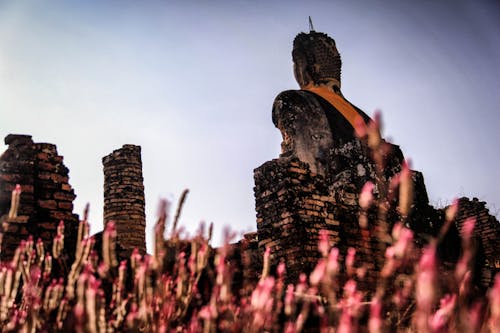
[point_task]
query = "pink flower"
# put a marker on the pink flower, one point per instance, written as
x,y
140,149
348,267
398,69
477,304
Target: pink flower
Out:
x,y
110,227
345,324
390,262
318,273
452,210
425,279
289,298
333,265
396,230
405,189
373,131
375,322
349,260
302,285
360,127
290,328
350,288
468,228
494,297
280,270
475,317
205,313
323,244
262,293
366,195
461,268
439,320
404,241
14,204
266,263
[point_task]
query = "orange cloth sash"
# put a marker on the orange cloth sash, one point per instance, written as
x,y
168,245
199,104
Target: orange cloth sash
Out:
x,y
343,106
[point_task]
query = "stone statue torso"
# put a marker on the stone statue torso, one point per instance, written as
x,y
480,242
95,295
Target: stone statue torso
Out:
x,y
317,133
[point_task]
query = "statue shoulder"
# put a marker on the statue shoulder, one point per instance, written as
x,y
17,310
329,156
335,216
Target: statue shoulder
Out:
x,y
290,103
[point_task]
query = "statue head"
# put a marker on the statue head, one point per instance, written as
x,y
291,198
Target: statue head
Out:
x,y
316,59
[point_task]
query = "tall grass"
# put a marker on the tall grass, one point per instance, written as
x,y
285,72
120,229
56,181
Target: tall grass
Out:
x,y
186,286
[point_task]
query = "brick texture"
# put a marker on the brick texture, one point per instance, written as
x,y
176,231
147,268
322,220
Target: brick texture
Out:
x,y
46,198
124,198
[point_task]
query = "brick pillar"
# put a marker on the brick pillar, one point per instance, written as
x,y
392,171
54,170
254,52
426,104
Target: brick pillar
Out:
x,y
124,198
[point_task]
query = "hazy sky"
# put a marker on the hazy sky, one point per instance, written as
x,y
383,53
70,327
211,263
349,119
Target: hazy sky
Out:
x,y
193,83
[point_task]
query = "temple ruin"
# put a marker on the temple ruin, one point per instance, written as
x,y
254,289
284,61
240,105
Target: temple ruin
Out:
x,y
313,185
330,150
47,197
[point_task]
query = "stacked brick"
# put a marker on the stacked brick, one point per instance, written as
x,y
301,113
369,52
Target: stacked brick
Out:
x,y
292,206
246,262
54,196
250,259
487,234
46,198
369,247
17,166
124,198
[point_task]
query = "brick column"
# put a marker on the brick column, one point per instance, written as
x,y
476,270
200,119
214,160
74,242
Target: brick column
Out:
x,y
124,198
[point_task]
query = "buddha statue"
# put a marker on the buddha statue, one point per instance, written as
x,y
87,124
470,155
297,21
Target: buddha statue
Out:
x,y
317,122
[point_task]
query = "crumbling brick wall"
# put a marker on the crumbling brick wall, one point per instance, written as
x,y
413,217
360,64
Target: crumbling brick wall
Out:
x,y
46,198
246,261
124,198
293,205
487,234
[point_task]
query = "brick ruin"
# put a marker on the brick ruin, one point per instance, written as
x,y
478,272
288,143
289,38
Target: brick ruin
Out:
x,y
330,149
124,198
46,197
313,185
487,233
293,205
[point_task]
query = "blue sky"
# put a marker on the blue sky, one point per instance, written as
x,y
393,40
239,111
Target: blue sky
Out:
x,y
193,83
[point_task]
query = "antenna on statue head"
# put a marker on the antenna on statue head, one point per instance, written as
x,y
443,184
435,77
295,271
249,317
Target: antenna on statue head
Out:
x,y
311,27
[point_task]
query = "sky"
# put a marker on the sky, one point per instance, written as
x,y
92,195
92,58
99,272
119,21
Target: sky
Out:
x,y
193,83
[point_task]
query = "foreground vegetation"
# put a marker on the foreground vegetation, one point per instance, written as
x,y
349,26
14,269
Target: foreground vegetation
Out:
x,y
98,294
186,286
